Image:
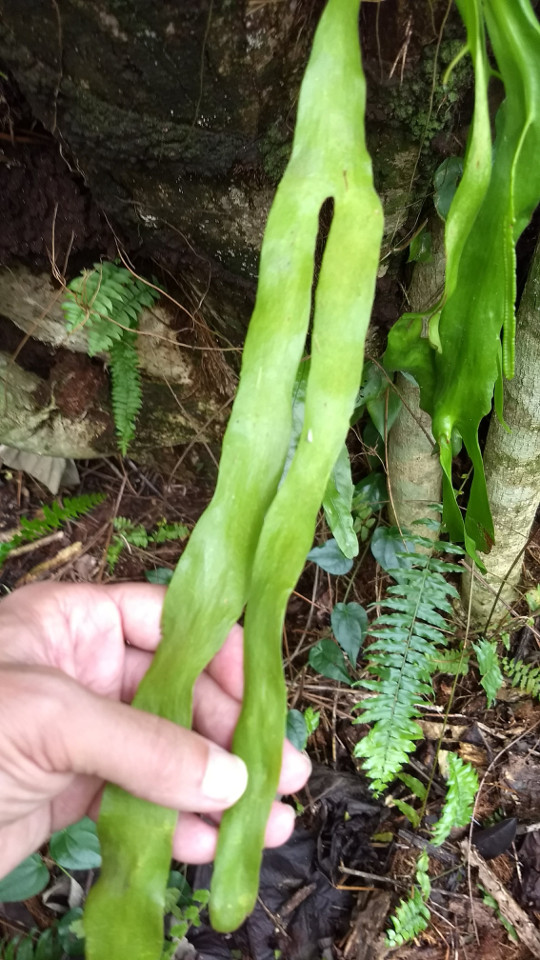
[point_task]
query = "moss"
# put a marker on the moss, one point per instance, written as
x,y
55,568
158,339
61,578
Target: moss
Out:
x,y
408,104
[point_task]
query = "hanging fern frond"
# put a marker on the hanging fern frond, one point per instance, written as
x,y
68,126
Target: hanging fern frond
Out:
x,y
522,675
108,301
55,515
459,801
126,394
408,636
412,915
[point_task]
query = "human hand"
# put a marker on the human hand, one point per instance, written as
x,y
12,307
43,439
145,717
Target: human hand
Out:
x,y
71,659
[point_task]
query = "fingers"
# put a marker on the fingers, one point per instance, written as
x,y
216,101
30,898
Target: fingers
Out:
x,y
195,840
64,728
215,715
139,605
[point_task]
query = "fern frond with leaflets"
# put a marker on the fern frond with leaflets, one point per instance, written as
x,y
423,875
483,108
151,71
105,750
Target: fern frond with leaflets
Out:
x,y
108,301
408,639
54,516
412,916
459,802
522,675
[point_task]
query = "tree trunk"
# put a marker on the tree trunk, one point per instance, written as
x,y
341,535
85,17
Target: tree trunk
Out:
x,y
414,470
165,128
512,465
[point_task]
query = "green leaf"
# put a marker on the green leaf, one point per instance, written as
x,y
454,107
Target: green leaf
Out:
x,y
184,891
312,718
48,947
371,491
460,797
70,933
330,558
349,623
161,575
296,732
26,949
327,659
407,811
25,881
384,410
491,677
420,249
446,179
337,505
414,784
77,846
390,549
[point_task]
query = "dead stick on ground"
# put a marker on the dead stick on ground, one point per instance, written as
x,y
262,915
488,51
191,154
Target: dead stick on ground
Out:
x,y
510,910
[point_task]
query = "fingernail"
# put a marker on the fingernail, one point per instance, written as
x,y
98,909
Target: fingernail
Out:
x,y
225,778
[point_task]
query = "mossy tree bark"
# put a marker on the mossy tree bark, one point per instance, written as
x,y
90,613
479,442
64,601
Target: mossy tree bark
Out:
x,y
512,465
176,120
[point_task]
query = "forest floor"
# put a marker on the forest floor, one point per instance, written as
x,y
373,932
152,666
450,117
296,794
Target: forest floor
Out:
x,y
329,892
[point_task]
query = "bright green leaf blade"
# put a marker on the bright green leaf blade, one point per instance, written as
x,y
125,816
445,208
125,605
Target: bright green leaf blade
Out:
x,y
337,505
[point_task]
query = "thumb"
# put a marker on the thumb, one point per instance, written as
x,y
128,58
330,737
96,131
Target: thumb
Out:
x,y
148,756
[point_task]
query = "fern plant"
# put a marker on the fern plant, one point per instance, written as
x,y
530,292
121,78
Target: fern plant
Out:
x,y
522,675
54,516
108,301
409,636
459,802
412,915
136,535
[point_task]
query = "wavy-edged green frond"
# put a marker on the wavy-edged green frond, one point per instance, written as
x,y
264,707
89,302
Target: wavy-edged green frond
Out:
x,y
409,636
459,801
126,388
412,915
491,677
55,515
522,675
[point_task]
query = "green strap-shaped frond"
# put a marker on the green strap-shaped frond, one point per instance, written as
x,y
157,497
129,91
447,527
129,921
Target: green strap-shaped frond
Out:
x,y
124,915
457,382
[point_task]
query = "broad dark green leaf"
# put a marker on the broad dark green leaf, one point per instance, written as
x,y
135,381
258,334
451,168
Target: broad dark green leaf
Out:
x,y
327,659
384,410
445,181
371,491
48,946
26,949
420,248
349,623
389,548
77,846
25,881
297,732
337,505
70,933
330,558
161,575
